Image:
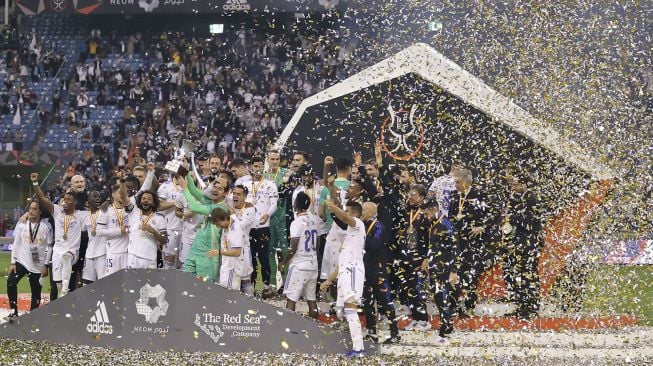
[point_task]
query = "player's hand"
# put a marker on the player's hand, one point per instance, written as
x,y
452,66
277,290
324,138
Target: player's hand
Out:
x,y
477,231
264,219
211,253
147,228
151,166
358,159
120,174
453,278
330,181
34,177
12,268
324,287
183,182
45,272
378,147
329,204
425,265
328,161
23,219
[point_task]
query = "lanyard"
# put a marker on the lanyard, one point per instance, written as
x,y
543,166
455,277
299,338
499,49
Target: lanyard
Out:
x,y
32,234
93,218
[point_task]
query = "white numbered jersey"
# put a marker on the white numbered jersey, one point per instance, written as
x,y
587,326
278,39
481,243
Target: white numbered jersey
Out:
x,y
169,191
305,228
353,247
73,235
264,196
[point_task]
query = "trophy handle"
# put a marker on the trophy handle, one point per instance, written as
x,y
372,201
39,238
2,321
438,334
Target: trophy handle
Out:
x,y
198,177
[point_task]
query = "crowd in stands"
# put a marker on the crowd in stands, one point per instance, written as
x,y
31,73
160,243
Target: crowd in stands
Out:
x,y
231,94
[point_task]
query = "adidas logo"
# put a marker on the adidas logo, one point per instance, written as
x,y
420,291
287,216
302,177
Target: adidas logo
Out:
x,y
232,5
99,323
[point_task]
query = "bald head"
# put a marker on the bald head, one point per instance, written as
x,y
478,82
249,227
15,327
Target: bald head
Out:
x,y
369,210
78,183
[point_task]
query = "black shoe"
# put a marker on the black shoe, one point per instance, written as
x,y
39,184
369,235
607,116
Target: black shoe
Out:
x,y
445,330
11,317
393,339
266,294
371,337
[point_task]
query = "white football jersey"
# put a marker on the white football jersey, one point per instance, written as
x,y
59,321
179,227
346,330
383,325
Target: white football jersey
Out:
x,y
73,225
263,195
305,228
97,245
353,247
108,226
142,244
169,191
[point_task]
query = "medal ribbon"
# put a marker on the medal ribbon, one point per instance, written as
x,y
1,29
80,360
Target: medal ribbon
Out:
x,y
256,187
147,218
369,228
435,224
120,215
413,217
93,218
461,203
67,219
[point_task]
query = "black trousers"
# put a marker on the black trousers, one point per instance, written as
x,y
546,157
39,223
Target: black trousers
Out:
x,y
445,302
377,292
411,280
259,243
521,276
12,287
475,260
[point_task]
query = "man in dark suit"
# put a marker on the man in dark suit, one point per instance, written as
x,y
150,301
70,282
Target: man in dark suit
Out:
x,y
522,228
471,217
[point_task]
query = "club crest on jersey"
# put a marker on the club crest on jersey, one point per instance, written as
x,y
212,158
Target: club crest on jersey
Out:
x,y
402,133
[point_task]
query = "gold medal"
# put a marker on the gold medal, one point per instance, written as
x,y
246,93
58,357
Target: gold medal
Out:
x,y
460,216
411,230
65,237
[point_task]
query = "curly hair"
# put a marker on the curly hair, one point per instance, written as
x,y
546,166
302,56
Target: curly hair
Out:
x,y
155,200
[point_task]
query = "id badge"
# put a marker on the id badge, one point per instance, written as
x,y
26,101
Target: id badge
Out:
x,y
36,258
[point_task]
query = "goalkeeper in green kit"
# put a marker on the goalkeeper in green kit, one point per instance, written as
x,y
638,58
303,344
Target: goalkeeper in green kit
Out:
x,y
278,236
203,260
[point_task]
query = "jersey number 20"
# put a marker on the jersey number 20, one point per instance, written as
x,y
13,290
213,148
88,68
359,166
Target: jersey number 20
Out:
x,y
309,244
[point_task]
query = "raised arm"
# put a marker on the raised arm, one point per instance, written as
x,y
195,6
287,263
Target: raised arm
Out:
x,y
192,188
44,202
193,204
341,214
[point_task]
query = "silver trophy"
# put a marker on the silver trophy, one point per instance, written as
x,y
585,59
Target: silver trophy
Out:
x,y
176,165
